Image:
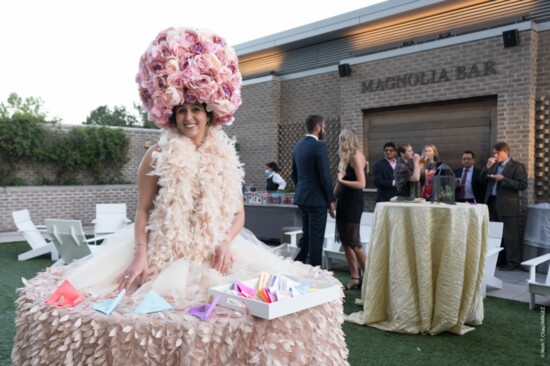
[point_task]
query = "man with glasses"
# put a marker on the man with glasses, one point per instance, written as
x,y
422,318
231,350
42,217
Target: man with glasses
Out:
x,y
468,188
505,178
382,174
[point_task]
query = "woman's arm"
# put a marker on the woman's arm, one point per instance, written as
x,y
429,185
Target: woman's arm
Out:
x,y
415,177
147,191
223,259
357,162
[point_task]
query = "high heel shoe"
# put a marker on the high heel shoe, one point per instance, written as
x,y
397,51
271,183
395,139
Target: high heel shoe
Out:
x,y
356,284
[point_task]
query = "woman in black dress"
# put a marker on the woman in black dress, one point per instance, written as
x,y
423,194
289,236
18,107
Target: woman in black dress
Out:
x,y
349,205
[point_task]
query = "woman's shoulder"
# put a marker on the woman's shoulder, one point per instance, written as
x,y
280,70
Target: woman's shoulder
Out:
x,y
357,157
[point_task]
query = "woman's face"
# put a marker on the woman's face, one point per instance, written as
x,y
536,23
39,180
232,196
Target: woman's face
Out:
x,y
191,120
429,152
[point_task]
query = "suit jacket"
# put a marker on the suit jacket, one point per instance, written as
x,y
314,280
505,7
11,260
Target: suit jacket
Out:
x,y
515,180
383,181
311,173
477,187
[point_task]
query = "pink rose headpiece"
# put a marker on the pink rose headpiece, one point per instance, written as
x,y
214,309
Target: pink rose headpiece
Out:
x,y
189,65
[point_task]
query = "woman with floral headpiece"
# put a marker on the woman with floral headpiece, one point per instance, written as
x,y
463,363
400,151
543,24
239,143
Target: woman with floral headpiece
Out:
x,y
188,236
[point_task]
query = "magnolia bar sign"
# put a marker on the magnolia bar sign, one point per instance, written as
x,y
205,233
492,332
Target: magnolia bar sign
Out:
x,y
433,76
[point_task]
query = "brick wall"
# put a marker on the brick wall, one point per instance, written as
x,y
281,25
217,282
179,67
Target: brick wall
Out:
x,y
62,202
255,128
514,84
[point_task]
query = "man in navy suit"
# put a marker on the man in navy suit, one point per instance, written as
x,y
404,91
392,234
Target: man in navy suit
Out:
x,y
505,178
383,174
471,190
314,191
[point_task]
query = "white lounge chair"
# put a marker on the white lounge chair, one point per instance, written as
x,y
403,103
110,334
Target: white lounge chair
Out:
x,y
335,251
34,236
69,239
537,288
493,248
109,218
330,231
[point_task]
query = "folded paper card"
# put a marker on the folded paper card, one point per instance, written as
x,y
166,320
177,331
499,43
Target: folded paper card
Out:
x,y
152,303
203,312
65,295
109,306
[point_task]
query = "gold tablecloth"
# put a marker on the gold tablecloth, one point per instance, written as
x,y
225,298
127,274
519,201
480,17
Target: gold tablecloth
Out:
x,y
425,266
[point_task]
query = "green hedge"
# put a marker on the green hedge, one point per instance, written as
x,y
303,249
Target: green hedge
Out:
x,y
99,151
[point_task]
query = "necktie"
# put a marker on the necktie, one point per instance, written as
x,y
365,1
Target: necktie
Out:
x,y
463,184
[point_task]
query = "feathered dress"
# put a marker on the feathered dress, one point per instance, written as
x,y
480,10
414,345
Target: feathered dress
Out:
x,y
199,194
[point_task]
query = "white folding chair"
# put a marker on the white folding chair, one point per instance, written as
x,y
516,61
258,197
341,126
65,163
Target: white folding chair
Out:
x,y
330,231
110,218
537,288
69,239
34,236
493,248
335,251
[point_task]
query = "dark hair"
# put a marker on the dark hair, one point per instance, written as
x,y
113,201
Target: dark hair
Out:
x,y
312,121
172,119
469,152
273,165
501,146
389,144
401,149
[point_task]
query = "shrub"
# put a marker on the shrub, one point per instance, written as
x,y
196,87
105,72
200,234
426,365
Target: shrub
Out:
x,y
100,152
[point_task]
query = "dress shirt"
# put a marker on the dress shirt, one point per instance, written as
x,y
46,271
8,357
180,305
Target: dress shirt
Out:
x,y
500,169
468,192
277,179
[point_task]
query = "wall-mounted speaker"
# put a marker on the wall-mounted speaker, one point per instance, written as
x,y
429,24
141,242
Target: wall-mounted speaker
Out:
x,y
510,38
344,70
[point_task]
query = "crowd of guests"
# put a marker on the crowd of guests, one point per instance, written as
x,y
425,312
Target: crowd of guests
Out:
x,y
403,173
400,173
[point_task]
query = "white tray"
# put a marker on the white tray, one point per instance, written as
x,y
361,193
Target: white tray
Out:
x,y
326,292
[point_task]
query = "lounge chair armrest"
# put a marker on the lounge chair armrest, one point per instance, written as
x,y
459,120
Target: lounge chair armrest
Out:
x,y
293,235
533,263
31,231
96,238
295,232
536,261
127,220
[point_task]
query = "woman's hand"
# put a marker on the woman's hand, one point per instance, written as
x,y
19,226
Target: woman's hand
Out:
x,y
222,260
341,176
137,270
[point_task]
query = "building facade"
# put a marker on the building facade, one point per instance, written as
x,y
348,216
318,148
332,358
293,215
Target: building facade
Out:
x,y
461,75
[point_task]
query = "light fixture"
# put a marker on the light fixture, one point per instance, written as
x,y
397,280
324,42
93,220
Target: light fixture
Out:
x,y
344,70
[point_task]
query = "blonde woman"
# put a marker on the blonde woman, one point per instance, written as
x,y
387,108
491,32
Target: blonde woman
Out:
x,y
430,157
349,206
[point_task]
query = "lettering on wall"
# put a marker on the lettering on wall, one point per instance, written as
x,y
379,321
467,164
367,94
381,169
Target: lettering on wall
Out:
x,y
434,76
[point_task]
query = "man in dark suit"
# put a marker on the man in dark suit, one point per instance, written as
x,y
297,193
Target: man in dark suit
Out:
x,y
383,174
468,187
505,178
314,193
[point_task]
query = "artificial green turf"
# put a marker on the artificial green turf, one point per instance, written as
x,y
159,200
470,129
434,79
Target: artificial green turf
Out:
x,y
510,334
